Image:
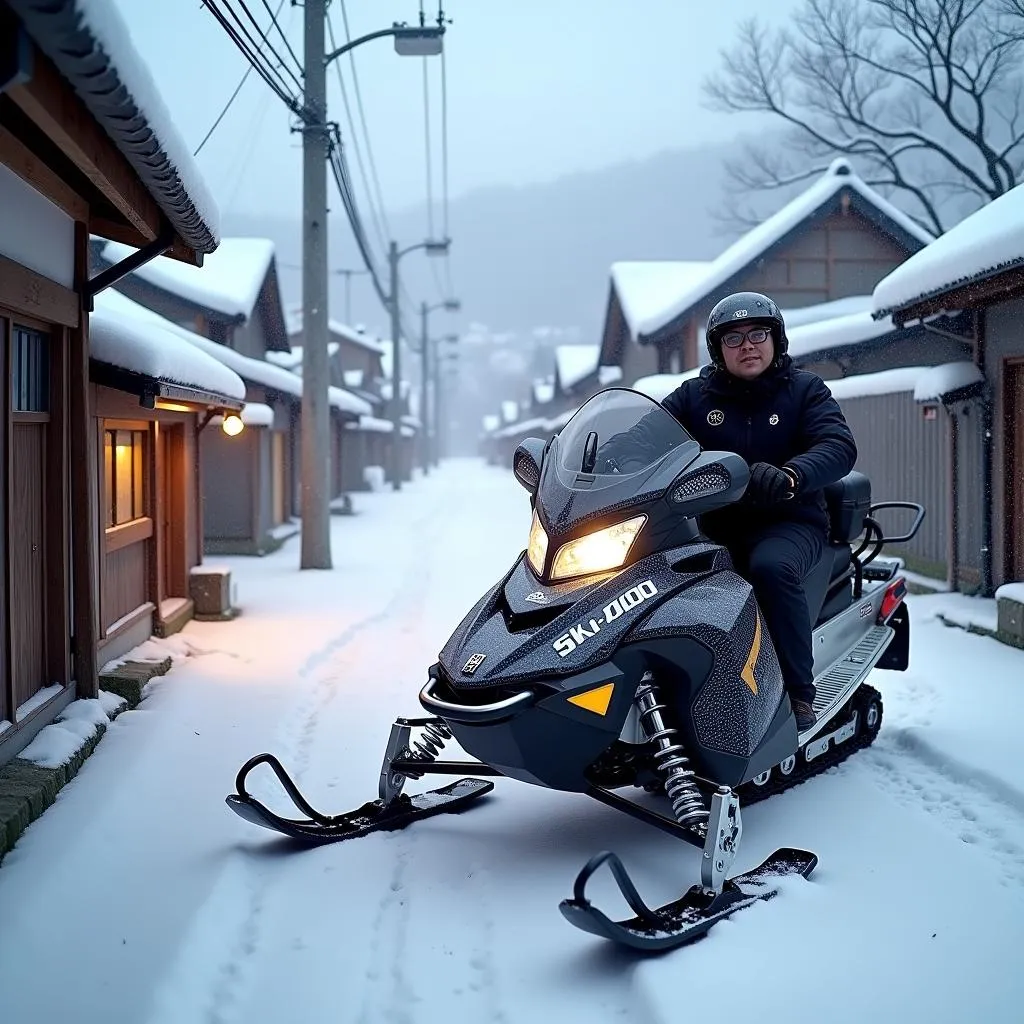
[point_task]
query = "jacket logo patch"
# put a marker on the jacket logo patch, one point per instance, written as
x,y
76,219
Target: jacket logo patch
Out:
x,y
475,661
716,417
773,419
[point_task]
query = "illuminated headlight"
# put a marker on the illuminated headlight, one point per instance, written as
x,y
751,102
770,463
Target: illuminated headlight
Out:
x,y
537,549
601,551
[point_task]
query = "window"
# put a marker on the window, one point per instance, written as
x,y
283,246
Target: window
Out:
x,y
124,476
30,371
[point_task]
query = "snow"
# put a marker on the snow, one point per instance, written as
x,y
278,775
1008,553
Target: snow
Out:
x,y
347,402
822,335
124,334
37,700
746,249
660,385
826,310
543,391
56,744
942,380
352,334
1011,592
194,915
967,611
988,241
490,423
608,375
372,423
509,411
256,414
229,281
574,363
646,287
108,28
293,360
885,382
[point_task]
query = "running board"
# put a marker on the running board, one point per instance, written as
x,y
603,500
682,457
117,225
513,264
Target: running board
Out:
x,y
834,686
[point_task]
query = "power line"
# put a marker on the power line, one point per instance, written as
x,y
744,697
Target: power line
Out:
x,y
282,64
377,219
238,89
281,33
362,119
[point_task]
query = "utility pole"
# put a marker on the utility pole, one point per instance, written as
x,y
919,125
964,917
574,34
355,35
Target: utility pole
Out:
x,y
347,274
316,522
396,371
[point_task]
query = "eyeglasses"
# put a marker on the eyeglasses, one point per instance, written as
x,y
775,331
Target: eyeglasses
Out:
x,y
756,336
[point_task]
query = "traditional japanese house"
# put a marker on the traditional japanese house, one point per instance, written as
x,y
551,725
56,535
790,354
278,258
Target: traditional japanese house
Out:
x,y
85,147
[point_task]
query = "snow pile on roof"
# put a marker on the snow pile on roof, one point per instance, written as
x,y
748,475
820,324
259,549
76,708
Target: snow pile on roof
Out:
x,y
660,385
373,424
576,362
491,423
988,241
293,360
126,68
229,281
607,375
826,310
746,249
256,414
646,287
939,381
509,411
356,336
886,382
823,335
127,335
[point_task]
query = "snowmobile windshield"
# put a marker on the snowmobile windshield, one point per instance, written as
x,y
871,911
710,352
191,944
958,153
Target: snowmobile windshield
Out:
x,y
617,434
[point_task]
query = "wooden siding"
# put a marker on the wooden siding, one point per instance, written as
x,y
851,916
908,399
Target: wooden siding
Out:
x,y
28,560
906,456
229,480
125,582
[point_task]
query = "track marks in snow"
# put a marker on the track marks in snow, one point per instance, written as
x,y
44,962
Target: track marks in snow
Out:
x,y
980,810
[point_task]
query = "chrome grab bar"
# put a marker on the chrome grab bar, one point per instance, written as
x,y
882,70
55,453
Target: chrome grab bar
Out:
x,y
473,713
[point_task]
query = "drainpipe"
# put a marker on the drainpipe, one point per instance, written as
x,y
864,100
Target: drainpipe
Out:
x,y
987,453
953,518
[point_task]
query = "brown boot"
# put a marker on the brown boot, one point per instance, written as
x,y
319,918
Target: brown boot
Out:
x,y
805,716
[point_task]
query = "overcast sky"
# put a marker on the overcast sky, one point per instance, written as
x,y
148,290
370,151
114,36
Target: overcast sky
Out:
x,y
536,89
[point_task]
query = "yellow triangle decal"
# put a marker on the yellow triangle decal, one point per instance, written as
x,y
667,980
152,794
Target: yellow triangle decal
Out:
x,y
596,700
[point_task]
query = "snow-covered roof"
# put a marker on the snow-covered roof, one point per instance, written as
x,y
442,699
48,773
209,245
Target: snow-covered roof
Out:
x,y
607,375
491,423
522,428
257,414
985,243
256,370
836,332
928,383
646,287
90,45
352,334
229,281
509,411
576,362
745,250
131,337
293,360
373,424
826,310
660,385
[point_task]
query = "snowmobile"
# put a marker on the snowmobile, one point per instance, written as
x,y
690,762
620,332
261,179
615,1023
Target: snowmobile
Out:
x,y
622,652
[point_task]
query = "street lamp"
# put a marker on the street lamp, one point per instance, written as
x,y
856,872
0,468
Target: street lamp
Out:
x,y
316,449
432,247
450,306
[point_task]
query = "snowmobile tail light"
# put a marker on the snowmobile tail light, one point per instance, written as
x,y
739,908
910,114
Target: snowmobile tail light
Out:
x,y
537,549
597,552
894,594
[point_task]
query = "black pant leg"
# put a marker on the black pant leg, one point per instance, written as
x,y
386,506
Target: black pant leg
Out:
x,y
780,559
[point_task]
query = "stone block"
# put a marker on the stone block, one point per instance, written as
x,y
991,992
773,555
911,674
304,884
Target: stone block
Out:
x,y
1011,617
210,590
129,680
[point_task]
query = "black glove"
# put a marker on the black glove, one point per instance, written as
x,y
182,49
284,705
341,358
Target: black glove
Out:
x,y
769,485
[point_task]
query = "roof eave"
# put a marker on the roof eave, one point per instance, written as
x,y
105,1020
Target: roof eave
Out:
x,y
147,388
999,285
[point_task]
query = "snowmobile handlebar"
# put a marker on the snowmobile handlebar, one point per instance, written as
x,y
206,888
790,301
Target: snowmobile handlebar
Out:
x,y
472,714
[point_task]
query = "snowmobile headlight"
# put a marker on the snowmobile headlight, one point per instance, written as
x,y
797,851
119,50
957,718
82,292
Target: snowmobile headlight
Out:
x,y
600,551
537,549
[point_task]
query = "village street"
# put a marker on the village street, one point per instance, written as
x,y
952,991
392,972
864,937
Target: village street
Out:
x,y
162,906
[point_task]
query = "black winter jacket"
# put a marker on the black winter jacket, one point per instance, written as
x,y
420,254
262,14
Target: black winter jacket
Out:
x,y
786,417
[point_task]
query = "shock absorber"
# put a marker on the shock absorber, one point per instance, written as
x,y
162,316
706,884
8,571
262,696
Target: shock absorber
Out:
x,y
401,746
670,757
428,744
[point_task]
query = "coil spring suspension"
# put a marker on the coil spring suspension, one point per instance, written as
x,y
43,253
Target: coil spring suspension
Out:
x,y
670,757
427,745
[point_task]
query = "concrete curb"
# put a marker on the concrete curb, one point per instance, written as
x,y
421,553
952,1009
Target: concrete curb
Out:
x,y
27,789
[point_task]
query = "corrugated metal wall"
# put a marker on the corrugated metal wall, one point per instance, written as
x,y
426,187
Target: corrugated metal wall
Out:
x,y
905,455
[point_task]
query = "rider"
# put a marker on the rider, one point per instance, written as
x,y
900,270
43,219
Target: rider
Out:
x,y
784,421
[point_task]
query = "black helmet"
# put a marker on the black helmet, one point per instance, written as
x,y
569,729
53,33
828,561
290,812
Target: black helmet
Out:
x,y
746,306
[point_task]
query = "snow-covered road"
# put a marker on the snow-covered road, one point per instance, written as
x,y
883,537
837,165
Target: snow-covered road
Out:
x,y
140,898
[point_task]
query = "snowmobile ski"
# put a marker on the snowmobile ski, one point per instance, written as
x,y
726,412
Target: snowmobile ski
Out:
x,y
375,816
685,919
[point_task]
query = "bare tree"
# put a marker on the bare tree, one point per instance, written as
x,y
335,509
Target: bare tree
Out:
x,y
926,96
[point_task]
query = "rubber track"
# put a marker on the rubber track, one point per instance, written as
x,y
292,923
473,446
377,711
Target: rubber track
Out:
x,y
836,754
